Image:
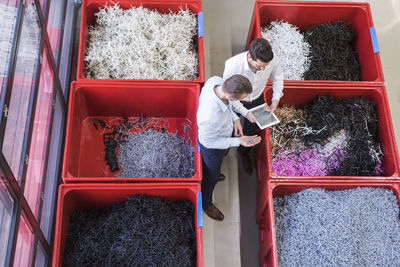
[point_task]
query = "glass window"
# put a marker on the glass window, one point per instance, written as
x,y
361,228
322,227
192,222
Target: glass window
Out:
x,y
23,249
8,19
23,86
50,200
6,209
41,258
39,137
54,26
67,48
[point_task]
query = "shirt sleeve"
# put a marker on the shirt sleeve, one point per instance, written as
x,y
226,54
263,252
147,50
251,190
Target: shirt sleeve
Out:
x,y
277,81
221,143
235,117
238,107
211,140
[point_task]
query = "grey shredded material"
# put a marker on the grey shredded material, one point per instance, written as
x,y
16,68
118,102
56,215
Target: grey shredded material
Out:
x,y
356,227
152,153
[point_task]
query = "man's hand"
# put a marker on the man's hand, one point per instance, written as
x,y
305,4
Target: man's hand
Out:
x,y
238,130
248,141
251,117
272,107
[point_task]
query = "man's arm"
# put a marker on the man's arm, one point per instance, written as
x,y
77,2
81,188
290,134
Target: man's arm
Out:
x,y
221,143
277,86
238,107
277,80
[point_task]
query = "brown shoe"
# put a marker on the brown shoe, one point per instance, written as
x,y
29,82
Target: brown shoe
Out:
x,y
246,162
213,212
221,177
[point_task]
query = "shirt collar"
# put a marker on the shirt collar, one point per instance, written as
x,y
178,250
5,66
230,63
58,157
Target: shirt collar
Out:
x,y
246,63
222,106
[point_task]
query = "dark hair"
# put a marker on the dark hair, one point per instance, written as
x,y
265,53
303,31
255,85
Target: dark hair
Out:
x,y
261,49
237,85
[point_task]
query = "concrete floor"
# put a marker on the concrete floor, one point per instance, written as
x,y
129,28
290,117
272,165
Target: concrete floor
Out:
x,y
234,242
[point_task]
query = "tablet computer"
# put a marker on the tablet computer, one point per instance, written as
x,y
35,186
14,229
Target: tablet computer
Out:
x,y
262,117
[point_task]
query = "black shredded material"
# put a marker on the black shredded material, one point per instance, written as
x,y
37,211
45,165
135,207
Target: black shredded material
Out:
x,y
143,231
358,117
333,53
117,133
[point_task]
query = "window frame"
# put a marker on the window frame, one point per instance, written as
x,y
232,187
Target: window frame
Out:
x,y
14,187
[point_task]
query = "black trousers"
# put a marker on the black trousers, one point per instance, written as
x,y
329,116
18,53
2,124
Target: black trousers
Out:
x,y
250,128
212,161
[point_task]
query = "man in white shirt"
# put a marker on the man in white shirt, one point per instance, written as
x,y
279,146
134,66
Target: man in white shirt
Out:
x,y
258,65
216,121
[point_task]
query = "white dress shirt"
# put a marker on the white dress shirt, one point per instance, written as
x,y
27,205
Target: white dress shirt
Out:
x,y
239,65
215,118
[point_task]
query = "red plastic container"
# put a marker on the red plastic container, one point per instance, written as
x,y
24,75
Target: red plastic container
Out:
x,y
262,180
84,196
91,7
300,95
304,14
268,253
84,147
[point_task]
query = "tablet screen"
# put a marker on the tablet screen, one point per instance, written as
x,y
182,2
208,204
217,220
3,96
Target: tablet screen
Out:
x,y
263,118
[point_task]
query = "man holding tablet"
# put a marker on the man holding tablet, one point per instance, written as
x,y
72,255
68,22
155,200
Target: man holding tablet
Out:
x,y
258,65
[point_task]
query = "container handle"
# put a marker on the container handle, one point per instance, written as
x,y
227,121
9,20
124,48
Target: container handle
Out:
x,y
199,210
200,23
374,40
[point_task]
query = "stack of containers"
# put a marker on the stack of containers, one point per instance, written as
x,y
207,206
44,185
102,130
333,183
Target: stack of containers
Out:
x,y
88,183
303,15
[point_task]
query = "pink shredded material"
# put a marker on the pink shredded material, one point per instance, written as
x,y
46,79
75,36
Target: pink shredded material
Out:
x,y
379,169
306,162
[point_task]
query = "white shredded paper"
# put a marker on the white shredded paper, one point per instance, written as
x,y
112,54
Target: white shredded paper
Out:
x,y
291,48
140,43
